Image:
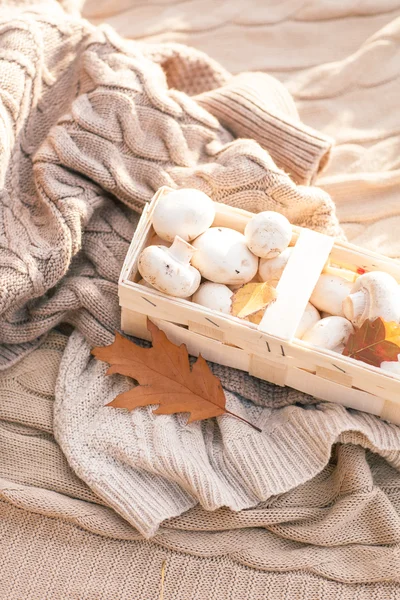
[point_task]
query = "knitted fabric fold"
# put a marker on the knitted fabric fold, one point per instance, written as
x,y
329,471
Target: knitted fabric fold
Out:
x,y
151,468
105,123
299,541
254,105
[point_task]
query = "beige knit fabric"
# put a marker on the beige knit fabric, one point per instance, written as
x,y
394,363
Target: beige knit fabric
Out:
x,y
340,61
91,124
150,468
336,536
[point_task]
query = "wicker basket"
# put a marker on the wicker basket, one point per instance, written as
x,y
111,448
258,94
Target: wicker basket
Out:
x,y
268,350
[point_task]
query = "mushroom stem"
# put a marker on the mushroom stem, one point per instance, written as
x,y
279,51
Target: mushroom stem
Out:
x,y
374,294
181,250
354,304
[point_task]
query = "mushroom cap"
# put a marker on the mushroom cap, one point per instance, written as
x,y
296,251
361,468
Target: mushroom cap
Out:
x,y
223,257
271,269
329,333
392,366
146,284
216,296
151,287
162,270
309,318
374,294
329,293
268,234
185,212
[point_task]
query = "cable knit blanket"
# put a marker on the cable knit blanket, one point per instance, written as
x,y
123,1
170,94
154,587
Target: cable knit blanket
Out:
x,y
91,125
340,62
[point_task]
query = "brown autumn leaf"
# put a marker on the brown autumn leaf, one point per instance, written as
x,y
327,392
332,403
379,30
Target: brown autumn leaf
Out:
x,y
374,342
165,378
251,300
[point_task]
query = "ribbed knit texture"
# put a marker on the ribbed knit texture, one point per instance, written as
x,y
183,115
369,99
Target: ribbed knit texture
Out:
x,y
253,105
151,468
335,536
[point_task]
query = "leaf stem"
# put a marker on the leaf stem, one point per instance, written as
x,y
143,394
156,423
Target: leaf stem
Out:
x,y
228,412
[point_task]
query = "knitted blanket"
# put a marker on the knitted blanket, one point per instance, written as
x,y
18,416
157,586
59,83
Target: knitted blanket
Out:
x,y
340,62
91,126
335,536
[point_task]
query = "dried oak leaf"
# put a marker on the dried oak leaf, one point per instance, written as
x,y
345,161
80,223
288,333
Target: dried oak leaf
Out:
x,y
374,342
165,378
251,300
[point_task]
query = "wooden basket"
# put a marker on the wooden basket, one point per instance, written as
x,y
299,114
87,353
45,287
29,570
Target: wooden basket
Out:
x,y
269,350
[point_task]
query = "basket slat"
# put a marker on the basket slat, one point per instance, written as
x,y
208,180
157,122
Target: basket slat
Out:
x,y
296,284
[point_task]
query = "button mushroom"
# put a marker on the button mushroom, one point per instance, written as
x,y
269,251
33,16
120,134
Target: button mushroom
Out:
x,y
374,294
151,287
391,366
186,213
169,269
309,318
223,257
330,333
216,296
268,234
329,293
146,284
271,269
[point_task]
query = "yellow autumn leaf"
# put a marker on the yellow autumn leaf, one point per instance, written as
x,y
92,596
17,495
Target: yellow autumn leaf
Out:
x,y
251,300
256,317
392,332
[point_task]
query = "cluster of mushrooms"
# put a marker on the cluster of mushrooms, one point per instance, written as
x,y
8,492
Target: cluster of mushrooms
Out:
x,y
226,259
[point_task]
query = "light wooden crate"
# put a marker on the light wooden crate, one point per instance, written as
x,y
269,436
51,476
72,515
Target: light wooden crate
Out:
x,y
269,350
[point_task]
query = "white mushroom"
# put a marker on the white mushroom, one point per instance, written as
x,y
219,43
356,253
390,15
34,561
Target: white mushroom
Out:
x,y
223,257
169,269
392,366
373,295
185,212
146,284
339,349
216,296
271,269
309,318
151,287
268,234
329,333
329,293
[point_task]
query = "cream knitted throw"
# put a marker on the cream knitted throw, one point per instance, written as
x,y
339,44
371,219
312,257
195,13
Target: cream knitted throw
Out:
x,y
336,536
151,468
92,125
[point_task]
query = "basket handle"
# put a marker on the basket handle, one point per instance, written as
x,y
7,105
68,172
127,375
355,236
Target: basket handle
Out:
x,y
296,284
